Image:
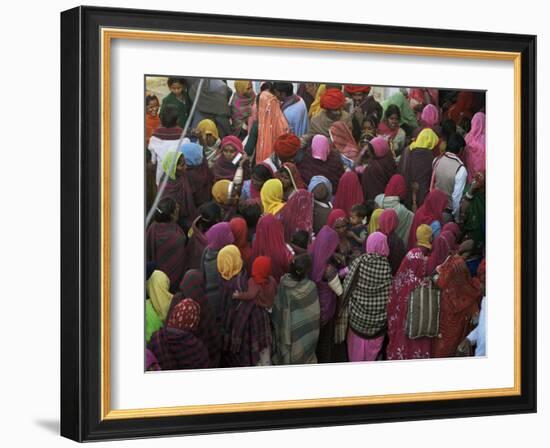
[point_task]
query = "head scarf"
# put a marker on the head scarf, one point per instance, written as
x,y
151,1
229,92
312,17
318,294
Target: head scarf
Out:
x,y
377,243
321,250
220,191
352,88
219,235
408,116
185,315
241,87
240,231
332,99
192,152
430,116
229,262
380,146
349,192
431,210
208,127
170,162
233,141
335,216
343,140
424,236
397,186
474,155
373,222
453,228
261,269
427,139
317,180
158,291
272,196
192,285
320,147
286,145
295,176
315,107
269,241
388,221
441,249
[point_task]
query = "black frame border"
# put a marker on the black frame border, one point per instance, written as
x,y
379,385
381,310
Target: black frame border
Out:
x,y
81,223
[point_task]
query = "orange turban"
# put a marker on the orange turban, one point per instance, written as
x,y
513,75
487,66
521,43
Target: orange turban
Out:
x,y
286,145
333,99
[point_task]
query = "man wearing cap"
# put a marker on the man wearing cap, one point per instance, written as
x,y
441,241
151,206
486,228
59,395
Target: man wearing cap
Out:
x,y
285,149
361,103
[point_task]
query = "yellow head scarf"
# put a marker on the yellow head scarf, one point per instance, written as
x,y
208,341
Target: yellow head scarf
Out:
x,y
426,139
315,107
220,190
169,164
424,236
229,261
272,196
241,86
373,223
208,127
158,291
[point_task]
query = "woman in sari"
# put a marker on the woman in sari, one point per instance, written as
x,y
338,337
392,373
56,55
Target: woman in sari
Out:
x,y
379,170
474,153
241,107
270,242
158,302
325,276
208,332
271,124
176,345
390,130
407,115
321,189
349,192
387,225
246,326
411,273
342,138
373,225
321,160
362,311
240,233
442,247
209,138
430,213
392,198
218,237
226,196
224,168
416,164
165,242
460,300
291,179
296,315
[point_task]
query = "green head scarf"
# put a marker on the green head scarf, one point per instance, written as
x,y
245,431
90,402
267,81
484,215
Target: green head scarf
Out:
x,y
169,163
407,114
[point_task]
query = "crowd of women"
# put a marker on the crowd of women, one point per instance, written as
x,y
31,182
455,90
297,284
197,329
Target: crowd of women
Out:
x,y
292,223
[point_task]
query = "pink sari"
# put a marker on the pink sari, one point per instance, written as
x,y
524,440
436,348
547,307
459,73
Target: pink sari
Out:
x,y
411,272
474,153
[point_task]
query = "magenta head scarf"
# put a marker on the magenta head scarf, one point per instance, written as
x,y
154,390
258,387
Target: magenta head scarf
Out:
x,y
321,250
474,154
388,221
219,235
377,243
380,146
320,147
430,116
233,141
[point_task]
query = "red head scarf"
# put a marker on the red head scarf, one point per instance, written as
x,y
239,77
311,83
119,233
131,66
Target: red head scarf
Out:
x,y
261,270
388,221
233,141
269,241
349,192
431,210
352,88
286,145
240,231
453,228
294,174
396,187
185,316
442,247
342,138
336,214
333,99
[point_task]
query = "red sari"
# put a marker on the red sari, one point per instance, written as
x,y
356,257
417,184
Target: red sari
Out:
x,y
410,274
349,192
297,214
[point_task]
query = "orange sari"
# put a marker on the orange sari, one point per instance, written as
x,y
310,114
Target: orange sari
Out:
x,y
271,124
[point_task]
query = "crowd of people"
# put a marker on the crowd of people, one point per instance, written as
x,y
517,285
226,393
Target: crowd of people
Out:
x,y
293,223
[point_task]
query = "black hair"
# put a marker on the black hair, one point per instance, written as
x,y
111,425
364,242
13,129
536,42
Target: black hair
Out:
x,y
300,239
391,110
300,267
448,128
171,81
210,213
251,212
165,210
150,98
466,124
262,172
408,129
371,206
373,119
169,116
455,143
360,210
284,87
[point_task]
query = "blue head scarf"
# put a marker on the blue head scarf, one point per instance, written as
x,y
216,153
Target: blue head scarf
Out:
x,y
317,180
192,152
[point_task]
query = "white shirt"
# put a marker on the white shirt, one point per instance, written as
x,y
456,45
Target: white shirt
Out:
x,y
460,182
477,335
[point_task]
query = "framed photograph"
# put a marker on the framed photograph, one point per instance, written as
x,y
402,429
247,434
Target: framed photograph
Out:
x,y
216,167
